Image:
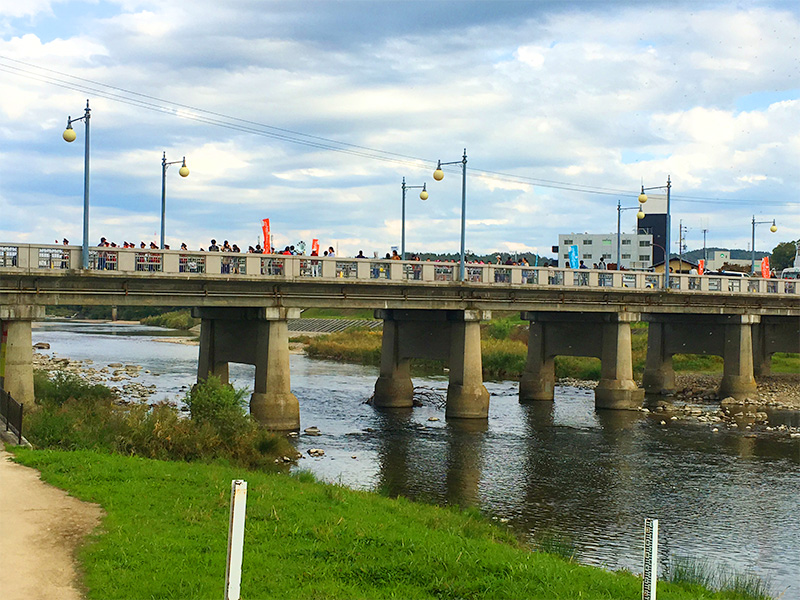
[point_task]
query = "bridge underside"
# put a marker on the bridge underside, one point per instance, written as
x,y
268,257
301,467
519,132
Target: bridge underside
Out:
x,y
604,336
450,335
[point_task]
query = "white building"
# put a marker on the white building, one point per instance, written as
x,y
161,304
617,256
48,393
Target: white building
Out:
x,y
636,250
717,258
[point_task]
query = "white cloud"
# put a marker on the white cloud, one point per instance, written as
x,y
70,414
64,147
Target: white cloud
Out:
x,y
544,94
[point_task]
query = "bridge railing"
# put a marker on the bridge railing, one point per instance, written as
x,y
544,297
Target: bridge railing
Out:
x,y
40,257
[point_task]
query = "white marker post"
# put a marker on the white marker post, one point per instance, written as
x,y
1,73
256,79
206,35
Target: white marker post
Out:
x,y
233,569
650,559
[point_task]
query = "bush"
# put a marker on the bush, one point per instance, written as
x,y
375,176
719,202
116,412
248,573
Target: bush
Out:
x,y
218,405
67,386
219,429
178,319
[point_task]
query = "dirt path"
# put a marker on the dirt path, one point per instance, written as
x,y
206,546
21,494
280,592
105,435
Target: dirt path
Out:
x,y
40,528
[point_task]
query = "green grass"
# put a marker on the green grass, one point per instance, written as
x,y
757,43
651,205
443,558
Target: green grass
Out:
x,y
783,362
165,536
178,319
702,572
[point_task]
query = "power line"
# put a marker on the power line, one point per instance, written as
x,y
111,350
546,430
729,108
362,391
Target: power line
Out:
x,y
153,103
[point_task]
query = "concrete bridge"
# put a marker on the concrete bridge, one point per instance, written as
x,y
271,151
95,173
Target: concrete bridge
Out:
x,y
245,301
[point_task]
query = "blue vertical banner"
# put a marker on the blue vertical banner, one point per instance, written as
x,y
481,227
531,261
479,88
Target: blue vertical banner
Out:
x,y
573,257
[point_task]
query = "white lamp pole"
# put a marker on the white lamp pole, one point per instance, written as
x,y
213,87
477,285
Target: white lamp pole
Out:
x,y
423,195
438,175
184,172
639,215
773,228
643,199
69,136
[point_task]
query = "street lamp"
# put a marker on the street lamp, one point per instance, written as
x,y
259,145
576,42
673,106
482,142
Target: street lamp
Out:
x,y
643,199
423,195
184,172
639,215
438,175
773,228
69,136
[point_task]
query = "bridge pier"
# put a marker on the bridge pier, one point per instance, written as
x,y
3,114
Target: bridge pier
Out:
x,y
16,350
742,341
452,335
254,336
773,334
606,336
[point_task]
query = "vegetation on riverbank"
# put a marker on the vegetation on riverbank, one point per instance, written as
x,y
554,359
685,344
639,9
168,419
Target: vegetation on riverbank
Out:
x,y
72,414
165,536
176,319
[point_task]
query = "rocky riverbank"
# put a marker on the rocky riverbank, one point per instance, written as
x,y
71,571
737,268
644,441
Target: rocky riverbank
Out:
x,y
120,378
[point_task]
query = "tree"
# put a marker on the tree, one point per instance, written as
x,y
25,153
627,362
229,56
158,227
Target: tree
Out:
x,y
783,255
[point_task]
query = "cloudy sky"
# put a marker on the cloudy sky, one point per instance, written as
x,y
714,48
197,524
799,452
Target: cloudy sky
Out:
x,y
311,113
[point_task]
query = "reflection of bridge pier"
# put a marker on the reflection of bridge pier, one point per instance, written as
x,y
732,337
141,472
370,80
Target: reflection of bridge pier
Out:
x,y
464,460
606,336
253,336
452,335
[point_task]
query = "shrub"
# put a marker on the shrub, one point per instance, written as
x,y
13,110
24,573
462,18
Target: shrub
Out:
x,y
178,319
219,429
219,405
64,386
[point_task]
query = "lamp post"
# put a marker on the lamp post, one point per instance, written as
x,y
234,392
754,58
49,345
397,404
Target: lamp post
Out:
x,y
639,215
69,135
438,175
643,199
184,172
773,228
423,195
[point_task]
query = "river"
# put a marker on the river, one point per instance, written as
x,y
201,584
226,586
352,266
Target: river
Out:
x,y
557,468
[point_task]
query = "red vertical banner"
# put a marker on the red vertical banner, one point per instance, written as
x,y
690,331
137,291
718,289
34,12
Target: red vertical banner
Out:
x,y
701,266
315,247
765,267
267,236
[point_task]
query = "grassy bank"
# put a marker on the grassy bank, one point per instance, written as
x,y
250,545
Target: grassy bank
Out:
x,y
176,319
504,351
165,536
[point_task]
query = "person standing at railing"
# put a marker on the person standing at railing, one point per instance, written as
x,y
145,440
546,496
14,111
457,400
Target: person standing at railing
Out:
x,y
331,253
101,256
602,264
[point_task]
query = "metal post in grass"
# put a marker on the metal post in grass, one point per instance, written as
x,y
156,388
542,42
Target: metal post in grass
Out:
x,y
650,559
233,568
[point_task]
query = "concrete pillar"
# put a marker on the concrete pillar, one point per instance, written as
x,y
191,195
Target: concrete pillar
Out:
x,y
617,388
762,358
737,374
467,398
207,363
16,353
273,404
659,376
255,336
539,376
394,388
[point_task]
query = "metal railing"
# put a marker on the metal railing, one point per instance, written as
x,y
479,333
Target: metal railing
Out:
x,y
40,257
11,410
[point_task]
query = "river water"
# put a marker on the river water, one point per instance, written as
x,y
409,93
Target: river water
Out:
x,y
557,468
